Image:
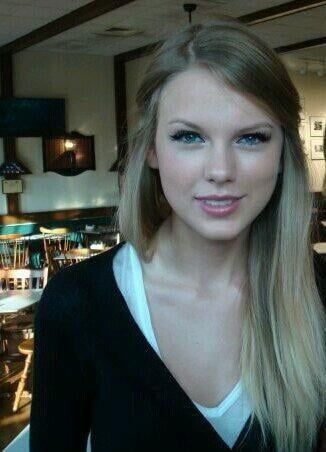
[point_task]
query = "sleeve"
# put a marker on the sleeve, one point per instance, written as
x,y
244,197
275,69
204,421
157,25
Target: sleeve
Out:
x,y
60,411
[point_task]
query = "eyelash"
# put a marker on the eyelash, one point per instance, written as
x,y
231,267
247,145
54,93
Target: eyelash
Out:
x,y
261,136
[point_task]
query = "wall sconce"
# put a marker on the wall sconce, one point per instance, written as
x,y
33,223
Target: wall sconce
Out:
x,y
69,155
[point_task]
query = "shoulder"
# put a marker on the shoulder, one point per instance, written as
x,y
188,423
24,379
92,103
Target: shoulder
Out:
x,y
90,270
70,290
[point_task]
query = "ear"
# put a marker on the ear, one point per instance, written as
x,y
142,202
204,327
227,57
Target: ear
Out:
x,y
152,158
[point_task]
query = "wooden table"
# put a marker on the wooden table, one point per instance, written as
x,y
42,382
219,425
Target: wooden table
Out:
x,y
76,253
13,301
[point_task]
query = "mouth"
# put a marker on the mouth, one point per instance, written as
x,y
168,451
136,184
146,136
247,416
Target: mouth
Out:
x,y
219,200
219,208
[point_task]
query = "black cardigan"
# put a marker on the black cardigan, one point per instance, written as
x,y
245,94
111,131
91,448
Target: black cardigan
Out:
x,y
94,370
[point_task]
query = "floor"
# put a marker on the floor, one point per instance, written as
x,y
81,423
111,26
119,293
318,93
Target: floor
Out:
x,y
11,423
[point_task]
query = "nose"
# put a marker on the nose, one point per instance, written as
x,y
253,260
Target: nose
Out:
x,y
220,163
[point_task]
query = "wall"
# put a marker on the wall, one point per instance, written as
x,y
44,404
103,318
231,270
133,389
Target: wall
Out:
x,y
87,84
313,90
135,69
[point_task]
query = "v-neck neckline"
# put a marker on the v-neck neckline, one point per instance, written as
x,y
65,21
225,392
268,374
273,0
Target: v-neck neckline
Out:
x,y
140,361
227,401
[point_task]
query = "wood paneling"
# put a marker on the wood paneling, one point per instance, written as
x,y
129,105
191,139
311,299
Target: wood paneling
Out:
x,y
70,214
9,143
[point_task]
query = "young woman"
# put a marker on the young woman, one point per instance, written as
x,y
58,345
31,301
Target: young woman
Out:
x,y
205,329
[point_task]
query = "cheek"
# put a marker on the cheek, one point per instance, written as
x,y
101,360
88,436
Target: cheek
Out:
x,y
262,178
176,172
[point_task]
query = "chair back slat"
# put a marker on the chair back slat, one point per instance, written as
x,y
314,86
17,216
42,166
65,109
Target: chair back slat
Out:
x,y
13,251
23,279
56,242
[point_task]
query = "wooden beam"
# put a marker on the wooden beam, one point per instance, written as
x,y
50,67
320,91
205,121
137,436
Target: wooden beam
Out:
x,y
73,19
7,89
120,108
57,215
121,95
9,143
301,45
275,12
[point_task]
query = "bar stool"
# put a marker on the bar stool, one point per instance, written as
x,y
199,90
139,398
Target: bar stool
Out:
x,y
25,348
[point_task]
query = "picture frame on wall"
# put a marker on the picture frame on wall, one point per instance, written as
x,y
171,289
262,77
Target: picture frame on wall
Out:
x,y
317,126
317,151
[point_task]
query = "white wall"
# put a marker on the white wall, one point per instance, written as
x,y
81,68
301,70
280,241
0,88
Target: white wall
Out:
x,y
313,90
87,84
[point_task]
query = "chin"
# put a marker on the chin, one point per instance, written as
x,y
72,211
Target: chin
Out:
x,y
222,233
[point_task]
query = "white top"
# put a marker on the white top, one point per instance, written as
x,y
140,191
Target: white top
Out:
x,y
229,417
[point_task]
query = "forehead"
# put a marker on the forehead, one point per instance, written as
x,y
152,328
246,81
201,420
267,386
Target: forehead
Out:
x,y
199,95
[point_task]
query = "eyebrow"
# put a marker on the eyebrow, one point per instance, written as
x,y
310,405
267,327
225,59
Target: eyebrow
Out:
x,y
245,129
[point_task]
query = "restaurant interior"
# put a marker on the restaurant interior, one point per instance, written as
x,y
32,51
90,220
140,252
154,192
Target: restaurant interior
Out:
x,y
69,71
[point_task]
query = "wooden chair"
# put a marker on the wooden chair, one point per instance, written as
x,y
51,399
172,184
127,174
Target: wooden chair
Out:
x,y
79,254
56,241
13,251
23,279
25,348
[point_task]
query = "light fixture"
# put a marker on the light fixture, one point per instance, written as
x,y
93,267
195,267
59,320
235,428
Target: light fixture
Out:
x,y
69,155
189,8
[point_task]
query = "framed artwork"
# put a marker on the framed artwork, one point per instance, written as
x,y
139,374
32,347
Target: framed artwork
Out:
x,y
303,132
317,126
317,152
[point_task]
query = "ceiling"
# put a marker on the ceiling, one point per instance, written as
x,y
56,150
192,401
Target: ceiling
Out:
x,y
155,20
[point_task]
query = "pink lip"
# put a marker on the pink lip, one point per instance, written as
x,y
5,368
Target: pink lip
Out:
x,y
219,211
218,198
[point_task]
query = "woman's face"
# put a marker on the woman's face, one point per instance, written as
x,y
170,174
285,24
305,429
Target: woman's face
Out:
x,y
211,140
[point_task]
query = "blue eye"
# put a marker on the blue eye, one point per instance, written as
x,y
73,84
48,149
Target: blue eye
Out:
x,y
252,139
186,136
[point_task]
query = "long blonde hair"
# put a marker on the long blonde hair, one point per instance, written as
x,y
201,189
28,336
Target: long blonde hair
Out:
x,y
283,358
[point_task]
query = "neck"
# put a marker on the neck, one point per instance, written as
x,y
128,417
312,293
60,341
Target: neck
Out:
x,y
201,263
